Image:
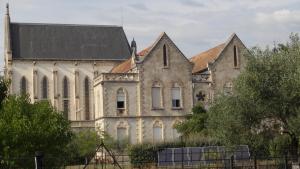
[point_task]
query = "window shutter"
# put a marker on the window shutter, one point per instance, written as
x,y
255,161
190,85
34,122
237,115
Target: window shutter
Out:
x,y
176,93
156,102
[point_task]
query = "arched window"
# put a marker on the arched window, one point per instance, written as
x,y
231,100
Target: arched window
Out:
x,y
157,132
65,97
156,94
121,99
87,98
44,88
235,56
165,57
23,85
122,132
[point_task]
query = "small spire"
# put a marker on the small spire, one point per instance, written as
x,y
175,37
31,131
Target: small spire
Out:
x,y
133,46
7,9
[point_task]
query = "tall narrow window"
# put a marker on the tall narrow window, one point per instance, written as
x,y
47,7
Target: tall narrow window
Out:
x,y
66,97
44,88
235,56
157,132
165,57
120,99
23,87
156,97
176,97
87,98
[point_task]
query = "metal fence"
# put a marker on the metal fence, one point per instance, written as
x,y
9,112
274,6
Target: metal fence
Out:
x,y
176,160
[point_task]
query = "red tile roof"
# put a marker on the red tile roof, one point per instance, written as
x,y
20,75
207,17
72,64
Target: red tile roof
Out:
x,y
201,60
122,67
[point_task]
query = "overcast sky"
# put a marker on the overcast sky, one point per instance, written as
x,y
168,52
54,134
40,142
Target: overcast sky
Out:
x,y
194,25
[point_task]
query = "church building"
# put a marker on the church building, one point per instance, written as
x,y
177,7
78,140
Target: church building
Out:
x,y
97,80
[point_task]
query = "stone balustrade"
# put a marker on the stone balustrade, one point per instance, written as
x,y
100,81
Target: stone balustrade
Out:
x,y
201,78
117,77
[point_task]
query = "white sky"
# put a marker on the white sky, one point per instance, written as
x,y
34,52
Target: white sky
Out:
x,y
194,25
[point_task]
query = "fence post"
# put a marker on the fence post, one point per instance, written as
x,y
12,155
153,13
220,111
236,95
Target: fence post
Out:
x,y
255,162
38,160
232,162
182,157
285,161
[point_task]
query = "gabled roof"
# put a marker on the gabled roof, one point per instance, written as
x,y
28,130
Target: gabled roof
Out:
x,y
210,56
126,66
68,42
201,60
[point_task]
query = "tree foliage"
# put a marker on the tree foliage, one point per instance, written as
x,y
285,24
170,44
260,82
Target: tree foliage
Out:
x,y
265,104
194,123
27,128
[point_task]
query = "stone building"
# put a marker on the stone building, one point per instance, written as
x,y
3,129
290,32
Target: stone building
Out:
x,y
58,62
97,80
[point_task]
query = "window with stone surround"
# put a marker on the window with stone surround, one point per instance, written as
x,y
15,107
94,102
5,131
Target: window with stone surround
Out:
x,y
156,96
23,85
45,88
235,57
87,98
65,97
176,96
165,56
121,99
157,132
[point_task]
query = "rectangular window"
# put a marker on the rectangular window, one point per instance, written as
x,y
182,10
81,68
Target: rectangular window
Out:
x,y
156,97
176,97
121,101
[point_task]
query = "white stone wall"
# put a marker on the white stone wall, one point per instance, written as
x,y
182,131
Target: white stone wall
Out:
x,y
64,68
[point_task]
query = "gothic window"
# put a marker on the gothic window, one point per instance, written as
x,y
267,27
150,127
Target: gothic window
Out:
x,y
23,87
176,97
87,98
156,95
44,88
165,56
157,132
235,56
121,99
65,97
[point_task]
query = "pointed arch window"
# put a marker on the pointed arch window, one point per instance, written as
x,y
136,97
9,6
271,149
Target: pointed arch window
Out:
x,y
87,98
235,56
165,56
44,87
23,85
65,97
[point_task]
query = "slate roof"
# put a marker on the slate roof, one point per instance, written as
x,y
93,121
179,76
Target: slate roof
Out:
x,y
68,42
201,60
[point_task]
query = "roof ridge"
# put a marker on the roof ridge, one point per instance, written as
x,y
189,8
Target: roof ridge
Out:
x,y
62,24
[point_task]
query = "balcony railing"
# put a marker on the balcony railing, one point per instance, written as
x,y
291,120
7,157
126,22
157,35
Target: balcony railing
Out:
x,y
201,78
117,77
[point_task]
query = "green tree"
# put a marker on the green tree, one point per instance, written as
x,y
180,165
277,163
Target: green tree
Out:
x,y
265,103
195,123
27,128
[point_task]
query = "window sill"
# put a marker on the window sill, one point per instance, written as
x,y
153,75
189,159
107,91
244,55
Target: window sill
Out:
x,y
156,108
177,108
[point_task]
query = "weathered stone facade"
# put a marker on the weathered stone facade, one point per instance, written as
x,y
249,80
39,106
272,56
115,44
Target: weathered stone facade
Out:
x,y
162,66
99,81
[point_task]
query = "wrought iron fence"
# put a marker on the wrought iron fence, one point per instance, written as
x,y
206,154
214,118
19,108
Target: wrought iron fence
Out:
x,y
176,160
